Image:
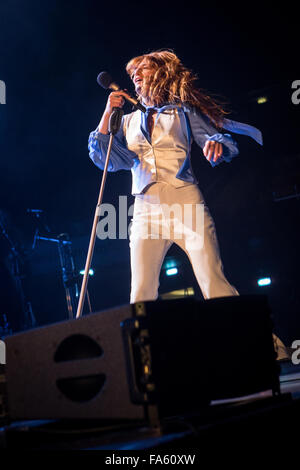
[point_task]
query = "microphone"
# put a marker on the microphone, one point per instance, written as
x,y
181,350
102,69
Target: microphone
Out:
x,y
105,80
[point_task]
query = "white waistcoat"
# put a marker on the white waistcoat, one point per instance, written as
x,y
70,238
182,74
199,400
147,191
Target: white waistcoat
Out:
x,y
161,159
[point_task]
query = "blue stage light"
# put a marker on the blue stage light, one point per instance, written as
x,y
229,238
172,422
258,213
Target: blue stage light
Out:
x,y
91,272
264,281
171,271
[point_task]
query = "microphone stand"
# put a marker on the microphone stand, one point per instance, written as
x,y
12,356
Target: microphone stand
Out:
x,y
113,127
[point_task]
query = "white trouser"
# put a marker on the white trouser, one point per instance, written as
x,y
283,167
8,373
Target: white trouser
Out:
x,y
154,228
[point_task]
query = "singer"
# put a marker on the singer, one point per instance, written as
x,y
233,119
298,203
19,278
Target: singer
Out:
x,y
156,147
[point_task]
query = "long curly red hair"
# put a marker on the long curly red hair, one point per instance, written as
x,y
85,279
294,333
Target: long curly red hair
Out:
x,y
173,83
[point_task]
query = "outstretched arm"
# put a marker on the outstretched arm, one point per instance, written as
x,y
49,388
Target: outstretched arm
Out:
x,y
217,147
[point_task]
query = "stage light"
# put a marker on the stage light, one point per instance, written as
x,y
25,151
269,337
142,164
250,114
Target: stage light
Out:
x,y
261,99
264,281
91,272
170,263
171,271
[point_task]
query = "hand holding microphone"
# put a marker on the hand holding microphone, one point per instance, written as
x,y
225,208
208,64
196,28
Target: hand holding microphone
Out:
x,y
105,80
115,100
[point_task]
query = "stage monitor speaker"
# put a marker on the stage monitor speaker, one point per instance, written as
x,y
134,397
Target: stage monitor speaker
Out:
x,y
175,356
71,369
186,354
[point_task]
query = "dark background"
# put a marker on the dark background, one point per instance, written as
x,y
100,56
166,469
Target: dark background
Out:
x,y
50,55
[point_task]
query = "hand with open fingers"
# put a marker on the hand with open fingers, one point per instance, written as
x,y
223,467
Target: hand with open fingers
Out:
x,y
115,100
212,149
